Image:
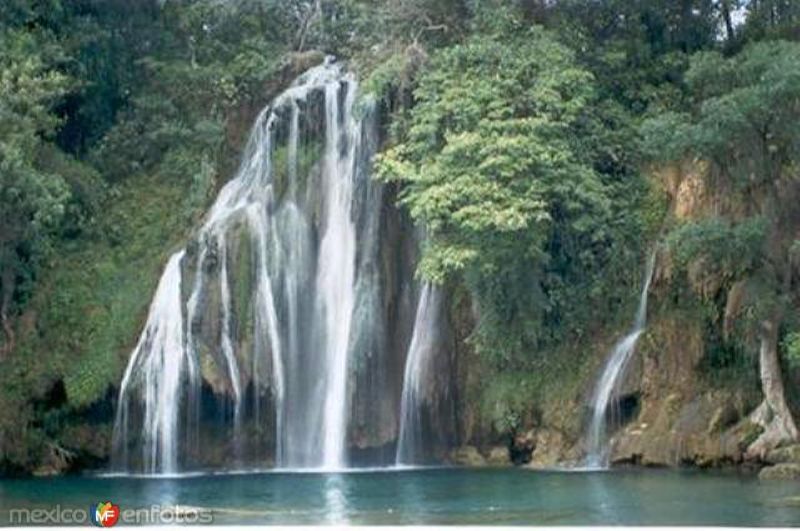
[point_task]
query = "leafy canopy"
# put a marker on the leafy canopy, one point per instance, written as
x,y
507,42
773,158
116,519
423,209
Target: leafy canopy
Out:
x,y
746,121
488,162
499,163
746,118
32,199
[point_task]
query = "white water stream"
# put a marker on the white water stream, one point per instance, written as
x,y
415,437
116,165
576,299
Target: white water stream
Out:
x,y
303,234
613,373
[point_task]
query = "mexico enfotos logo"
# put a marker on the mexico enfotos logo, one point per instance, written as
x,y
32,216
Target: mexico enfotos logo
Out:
x,y
107,514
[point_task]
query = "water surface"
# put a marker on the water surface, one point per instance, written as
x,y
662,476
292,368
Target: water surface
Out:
x,y
437,496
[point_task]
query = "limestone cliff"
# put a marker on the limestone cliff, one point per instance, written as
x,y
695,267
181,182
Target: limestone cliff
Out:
x,y
691,388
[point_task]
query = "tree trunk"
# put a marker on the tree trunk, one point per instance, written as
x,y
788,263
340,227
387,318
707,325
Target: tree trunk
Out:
x,y
7,286
725,6
314,12
773,414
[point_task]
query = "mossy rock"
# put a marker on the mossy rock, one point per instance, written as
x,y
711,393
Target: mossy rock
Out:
x,y
723,416
467,456
749,432
780,471
498,456
787,454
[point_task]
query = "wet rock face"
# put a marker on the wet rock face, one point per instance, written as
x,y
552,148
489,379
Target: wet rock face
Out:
x,y
683,417
442,394
690,195
681,420
377,368
553,448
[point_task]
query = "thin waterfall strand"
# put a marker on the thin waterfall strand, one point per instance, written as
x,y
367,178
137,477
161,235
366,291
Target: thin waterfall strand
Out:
x,y
423,344
157,364
597,455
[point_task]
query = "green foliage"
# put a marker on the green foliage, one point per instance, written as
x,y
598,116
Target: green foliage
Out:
x,y
768,19
214,58
97,293
638,50
476,141
791,349
506,400
498,163
89,303
727,249
744,120
142,96
509,400
515,147
746,117
33,199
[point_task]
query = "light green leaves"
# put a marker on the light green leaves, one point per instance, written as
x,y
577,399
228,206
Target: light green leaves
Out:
x,y
497,162
488,154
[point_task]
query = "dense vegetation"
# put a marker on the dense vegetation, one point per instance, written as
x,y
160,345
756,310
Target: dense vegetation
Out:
x,y
521,137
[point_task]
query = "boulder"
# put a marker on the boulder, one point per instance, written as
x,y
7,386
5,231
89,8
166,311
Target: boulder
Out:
x,y
780,471
467,456
498,455
551,448
786,454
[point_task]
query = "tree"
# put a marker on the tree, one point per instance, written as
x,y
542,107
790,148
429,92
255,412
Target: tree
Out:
x,y
771,18
31,199
747,123
638,50
497,164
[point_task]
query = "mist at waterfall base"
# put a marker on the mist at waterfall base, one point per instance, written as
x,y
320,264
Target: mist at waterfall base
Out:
x,y
597,455
259,326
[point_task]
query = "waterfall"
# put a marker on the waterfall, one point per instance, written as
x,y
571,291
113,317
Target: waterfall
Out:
x,y
157,364
265,330
424,341
613,372
335,277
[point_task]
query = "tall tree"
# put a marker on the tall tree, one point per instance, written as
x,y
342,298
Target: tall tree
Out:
x,y
32,199
498,164
747,123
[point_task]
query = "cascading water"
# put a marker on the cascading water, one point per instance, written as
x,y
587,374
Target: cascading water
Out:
x,y
157,364
597,455
336,276
424,341
273,280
